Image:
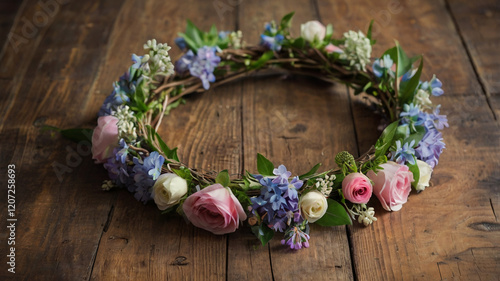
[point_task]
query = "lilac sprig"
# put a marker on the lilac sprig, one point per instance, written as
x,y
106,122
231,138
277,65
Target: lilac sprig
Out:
x,y
201,65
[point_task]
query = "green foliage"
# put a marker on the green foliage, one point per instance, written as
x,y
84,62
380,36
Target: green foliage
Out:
x,y
261,61
402,61
184,173
76,135
335,215
329,32
223,178
385,141
416,173
264,166
407,88
263,233
311,172
196,38
170,154
286,21
369,33
242,198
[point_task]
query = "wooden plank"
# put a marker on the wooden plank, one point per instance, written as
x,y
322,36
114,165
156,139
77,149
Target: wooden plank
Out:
x,y
453,217
140,243
58,231
298,122
476,23
8,12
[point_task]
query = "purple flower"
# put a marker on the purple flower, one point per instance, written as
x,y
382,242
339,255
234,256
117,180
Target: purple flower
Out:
x,y
440,121
202,65
118,170
296,238
430,147
282,174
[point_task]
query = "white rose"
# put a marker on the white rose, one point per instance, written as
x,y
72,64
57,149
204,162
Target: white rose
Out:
x,y
312,29
313,205
168,190
425,175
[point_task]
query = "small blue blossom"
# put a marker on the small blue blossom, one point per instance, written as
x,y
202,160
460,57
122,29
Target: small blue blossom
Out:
x,y
272,42
181,43
282,174
436,87
408,75
380,66
404,153
137,61
223,34
118,170
201,65
440,121
410,110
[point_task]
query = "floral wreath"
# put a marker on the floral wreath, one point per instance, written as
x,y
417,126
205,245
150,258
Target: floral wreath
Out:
x,y
135,156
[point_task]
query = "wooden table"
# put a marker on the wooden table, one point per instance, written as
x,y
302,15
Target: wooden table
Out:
x,y
59,59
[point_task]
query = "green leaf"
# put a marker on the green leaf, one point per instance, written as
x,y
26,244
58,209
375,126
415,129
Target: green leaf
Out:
x,y
286,21
329,32
386,139
399,57
184,173
263,232
192,45
261,61
299,43
416,136
264,166
311,172
223,178
416,173
369,33
407,88
75,134
195,34
335,215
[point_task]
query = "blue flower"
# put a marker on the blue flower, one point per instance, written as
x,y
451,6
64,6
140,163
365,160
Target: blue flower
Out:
x,y
380,66
272,42
278,202
436,87
145,172
137,61
410,110
404,153
440,121
223,34
408,75
118,170
180,42
202,65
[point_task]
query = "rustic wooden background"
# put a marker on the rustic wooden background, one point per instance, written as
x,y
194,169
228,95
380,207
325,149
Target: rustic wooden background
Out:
x,y
59,58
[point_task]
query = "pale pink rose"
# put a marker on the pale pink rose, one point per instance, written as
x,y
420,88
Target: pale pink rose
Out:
x,y
215,209
104,138
392,185
357,188
330,48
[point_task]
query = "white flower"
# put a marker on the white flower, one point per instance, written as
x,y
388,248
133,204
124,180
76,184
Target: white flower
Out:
x,y
312,30
313,205
168,190
325,185
358,49
126,122
367,217
425,175
422,98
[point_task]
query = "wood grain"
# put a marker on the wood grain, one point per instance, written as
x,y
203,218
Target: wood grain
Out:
x,y
69,229
58,231
208,134
414,244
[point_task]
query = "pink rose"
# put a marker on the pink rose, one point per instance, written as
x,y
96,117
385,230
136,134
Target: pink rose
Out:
x,y
104,138
392,185
215,209
330,48
357,188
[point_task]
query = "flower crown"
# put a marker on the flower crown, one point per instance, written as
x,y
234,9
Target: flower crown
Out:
x,y
271,200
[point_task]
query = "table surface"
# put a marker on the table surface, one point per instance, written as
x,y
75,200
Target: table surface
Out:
x,y
57,64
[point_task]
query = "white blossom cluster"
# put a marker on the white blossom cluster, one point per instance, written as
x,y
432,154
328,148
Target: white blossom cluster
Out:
x,y
158,60
422,99
235,39
126,122
367,216
358,49
325,185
